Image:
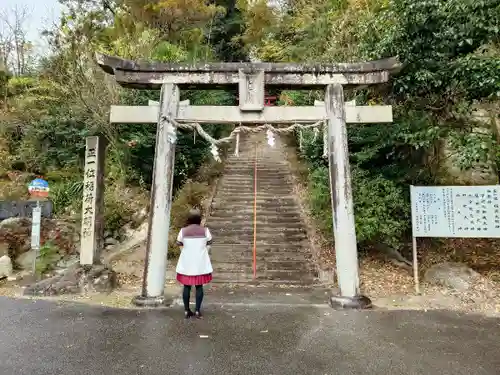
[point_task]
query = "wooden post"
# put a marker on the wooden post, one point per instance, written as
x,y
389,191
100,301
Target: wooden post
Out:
x,y
161,200
92,231
341,194
415,265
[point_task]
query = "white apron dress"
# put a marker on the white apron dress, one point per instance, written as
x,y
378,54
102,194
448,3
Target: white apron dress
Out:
x,y
194,266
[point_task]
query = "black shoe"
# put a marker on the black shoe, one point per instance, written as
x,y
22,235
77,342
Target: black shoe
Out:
x,y
198,315
188,314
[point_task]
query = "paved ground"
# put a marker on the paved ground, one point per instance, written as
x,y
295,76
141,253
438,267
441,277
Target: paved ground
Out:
x,y
41,337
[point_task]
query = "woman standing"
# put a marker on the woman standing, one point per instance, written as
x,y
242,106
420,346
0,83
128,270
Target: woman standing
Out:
x,y
194,266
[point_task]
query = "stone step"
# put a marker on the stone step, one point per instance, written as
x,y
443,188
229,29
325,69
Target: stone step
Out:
x,y
246,182
264,198
260,201
262,245
286,221
272,205
248,193
241,160
267,175
265,162
264,252
264,238
261,169
263,266
281,242
281,277
261,259
250,159
266,210
247,257
248,178
262,213
284,276
248,280
270,217
250,199
248,214
268,274
223,227
239,188
262,191
263,172
278,231
263,248
244,209
264,165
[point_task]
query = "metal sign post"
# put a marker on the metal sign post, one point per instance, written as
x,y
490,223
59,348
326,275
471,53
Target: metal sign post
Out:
x,y
38,189
35,233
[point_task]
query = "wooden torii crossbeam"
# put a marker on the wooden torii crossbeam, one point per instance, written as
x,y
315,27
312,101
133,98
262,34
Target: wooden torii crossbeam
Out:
x,y
153,75
251,79
122,114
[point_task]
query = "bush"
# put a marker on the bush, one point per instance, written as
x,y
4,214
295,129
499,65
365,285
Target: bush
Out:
x,y
380,207
12,191
66,196
118,210
48,257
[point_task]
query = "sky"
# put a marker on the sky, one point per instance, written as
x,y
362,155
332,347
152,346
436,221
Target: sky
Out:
x,y
42,14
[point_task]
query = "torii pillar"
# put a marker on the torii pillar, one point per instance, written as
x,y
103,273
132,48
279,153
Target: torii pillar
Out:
x,y
251,79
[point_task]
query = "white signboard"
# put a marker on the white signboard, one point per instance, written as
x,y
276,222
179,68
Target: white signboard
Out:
x,y
35,228
456,211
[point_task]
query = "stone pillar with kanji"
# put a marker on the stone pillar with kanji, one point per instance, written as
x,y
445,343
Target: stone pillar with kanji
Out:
x,y
92,232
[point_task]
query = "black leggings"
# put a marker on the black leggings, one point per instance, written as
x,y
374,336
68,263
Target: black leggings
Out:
x,y
199,296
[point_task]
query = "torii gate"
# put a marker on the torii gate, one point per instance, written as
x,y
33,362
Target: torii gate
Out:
x,y
251,79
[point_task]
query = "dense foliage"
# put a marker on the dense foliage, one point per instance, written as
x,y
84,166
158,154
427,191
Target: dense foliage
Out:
x,y
450,58
449,50
48,113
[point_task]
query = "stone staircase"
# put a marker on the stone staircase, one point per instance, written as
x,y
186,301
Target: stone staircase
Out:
x,y
283,253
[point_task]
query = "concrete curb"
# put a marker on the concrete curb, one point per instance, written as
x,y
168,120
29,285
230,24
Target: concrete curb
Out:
x,y
161,301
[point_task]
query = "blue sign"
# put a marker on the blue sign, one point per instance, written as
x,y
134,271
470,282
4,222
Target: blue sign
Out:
x,y
39,188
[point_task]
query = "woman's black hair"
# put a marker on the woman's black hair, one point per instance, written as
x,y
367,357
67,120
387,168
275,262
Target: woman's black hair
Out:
x,y
194,217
